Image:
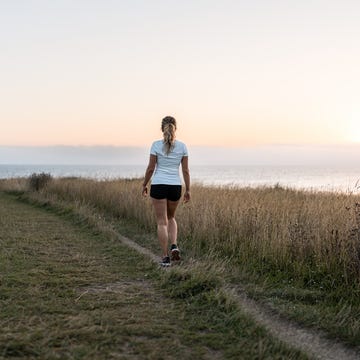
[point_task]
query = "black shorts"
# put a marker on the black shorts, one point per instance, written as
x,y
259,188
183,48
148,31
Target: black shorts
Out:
x,y
169,192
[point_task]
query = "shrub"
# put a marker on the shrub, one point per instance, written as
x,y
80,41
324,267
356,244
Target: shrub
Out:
x,y
39,181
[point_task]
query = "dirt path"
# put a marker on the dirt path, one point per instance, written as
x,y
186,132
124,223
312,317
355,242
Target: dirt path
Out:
x,y
309,341
315,344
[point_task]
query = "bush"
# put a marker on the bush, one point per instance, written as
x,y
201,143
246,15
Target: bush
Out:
x,y
39,181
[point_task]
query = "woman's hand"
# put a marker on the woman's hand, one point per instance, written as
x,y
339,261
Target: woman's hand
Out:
x,y
144,191
187,196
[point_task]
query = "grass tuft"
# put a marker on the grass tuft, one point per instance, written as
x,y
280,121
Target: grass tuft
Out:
x,y
191,280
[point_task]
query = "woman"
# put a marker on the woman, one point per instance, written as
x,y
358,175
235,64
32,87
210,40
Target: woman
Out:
x,y
165,158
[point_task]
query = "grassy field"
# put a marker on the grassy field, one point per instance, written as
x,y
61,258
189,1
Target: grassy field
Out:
x,y
312,235
298,252
69,291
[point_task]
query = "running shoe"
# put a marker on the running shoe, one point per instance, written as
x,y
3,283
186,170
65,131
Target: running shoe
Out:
x,y
165,261
175,253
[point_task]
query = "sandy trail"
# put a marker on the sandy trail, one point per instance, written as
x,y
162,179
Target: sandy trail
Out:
x,y
312,342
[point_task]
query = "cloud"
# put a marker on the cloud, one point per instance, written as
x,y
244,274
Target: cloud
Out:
x,y
73,155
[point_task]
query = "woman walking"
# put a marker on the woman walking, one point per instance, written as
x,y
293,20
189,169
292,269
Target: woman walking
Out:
x,y
166,155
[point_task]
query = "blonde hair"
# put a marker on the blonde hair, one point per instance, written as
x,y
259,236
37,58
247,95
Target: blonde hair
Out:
x,y
168,127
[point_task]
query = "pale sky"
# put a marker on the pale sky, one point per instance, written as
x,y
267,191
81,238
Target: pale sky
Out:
x,y
233,72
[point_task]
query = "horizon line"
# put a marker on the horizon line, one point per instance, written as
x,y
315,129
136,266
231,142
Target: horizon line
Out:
x,y
189,145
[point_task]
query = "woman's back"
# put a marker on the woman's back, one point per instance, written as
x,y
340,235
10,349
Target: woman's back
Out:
x,y
167,165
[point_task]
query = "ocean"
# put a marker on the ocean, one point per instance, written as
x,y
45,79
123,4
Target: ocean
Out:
x,y
345,179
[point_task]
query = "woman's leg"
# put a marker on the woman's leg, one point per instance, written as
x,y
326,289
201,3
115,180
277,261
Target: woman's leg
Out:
x,y
172,225
160,206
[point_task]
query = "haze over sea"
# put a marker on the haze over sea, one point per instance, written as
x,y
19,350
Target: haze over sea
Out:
x,y
300,177
330,168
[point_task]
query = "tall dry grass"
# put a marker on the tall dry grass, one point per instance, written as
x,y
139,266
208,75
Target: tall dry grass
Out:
x,y
313,234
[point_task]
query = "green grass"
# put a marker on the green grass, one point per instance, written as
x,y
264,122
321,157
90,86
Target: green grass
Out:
x,y
70,291
314,299
335,310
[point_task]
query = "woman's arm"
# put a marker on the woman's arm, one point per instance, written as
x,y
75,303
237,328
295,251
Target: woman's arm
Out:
x,y
186,175
148,174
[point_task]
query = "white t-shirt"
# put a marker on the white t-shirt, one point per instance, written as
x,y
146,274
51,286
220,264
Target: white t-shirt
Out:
x,y
167,166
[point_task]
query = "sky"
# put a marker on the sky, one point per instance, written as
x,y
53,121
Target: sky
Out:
x,y
234,73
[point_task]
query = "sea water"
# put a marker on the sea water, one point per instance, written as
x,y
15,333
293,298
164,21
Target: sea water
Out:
x,y
300,177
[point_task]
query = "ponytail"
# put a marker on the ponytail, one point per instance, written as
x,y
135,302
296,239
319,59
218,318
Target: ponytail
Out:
x,y
168,127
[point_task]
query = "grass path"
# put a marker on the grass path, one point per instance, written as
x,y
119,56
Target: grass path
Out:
x,y
67,292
